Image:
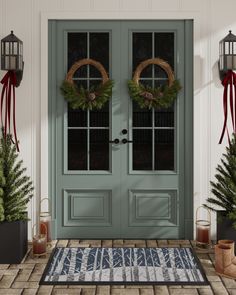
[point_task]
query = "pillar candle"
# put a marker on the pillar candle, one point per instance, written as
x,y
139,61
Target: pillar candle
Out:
x,y
39,244
45,228
203,235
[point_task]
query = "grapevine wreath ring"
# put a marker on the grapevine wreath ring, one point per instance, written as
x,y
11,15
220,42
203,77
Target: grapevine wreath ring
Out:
x,y
158,97
81,98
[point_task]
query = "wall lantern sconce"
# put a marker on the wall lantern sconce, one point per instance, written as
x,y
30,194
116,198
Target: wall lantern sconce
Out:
x,y
227,48
12,62
227,66
12,56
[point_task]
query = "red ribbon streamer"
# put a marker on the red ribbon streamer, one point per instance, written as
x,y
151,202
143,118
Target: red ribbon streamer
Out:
x,y
9,84
229,81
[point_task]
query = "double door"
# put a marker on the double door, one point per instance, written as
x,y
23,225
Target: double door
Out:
x,y
119,172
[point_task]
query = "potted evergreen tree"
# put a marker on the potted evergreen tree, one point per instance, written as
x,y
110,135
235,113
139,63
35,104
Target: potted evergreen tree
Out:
x,y
224,194
16,190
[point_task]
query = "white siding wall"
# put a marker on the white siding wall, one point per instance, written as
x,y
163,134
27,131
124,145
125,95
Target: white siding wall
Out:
x,y
28,19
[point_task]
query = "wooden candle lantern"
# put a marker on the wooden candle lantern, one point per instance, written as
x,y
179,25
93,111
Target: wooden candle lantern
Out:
x,y
39,243
203,229
45,222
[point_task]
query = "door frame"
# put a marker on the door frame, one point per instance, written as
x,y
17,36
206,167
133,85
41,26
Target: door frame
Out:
x,y
50,131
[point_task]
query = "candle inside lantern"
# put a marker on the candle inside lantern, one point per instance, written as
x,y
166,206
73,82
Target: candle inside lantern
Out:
x,y
39,244
45,228
203,235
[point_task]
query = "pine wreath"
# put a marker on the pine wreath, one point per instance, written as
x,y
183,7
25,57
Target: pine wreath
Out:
x,y
158,97
81,98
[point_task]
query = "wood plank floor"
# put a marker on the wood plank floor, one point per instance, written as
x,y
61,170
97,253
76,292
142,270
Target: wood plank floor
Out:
x,y
23,278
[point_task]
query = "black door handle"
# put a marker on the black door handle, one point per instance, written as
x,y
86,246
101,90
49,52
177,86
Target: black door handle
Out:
x,y
124,131
124,141
115,141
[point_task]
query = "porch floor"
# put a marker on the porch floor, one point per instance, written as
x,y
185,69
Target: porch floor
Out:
x,y
23,278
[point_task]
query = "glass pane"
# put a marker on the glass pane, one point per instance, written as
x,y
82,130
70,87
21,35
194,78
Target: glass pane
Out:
x,y
94,83
164,47
142,50
77,149
77,47
77,118
80,83
158,83
82,72
99,50
142,149
99,150
164,149
146,82
100,118
164,117
141,117
160,73
147,72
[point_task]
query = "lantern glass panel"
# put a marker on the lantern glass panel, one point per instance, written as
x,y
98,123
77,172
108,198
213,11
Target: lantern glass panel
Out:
x,y
6,47
226,48
15,48
12,63
221,62
6,62
231,47
229,62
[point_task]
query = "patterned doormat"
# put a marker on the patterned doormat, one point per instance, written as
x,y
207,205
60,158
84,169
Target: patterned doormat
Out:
x,y
123,266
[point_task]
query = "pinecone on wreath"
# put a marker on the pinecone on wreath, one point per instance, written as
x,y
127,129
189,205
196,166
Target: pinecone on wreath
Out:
x,y
91,96
147,95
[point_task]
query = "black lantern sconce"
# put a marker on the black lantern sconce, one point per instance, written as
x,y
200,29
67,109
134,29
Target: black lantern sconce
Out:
x,y
12,56
227,49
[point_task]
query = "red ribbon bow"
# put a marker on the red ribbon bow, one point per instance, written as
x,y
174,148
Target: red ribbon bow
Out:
x,y
9,84
229,81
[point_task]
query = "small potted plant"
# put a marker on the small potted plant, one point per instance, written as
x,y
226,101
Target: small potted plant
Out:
x,y
223,189
16,190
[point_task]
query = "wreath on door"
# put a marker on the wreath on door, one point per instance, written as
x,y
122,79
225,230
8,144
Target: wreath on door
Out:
x,y
157,97
93,98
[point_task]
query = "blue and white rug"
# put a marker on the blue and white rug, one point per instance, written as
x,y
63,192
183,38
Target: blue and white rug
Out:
x,y
124,266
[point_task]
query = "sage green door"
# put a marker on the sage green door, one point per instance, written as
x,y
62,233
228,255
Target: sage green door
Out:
x,y
140,187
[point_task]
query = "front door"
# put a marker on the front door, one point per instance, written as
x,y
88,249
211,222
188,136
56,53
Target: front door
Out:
x,y
135,187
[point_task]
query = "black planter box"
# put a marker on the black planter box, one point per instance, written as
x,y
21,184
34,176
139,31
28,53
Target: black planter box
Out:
x,y
14,241
225,230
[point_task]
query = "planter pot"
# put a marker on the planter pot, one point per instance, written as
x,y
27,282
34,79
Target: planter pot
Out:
x,y
225,230
14,241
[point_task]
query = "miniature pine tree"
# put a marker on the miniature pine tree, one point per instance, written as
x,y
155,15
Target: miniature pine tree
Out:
x,y
17,189
224,188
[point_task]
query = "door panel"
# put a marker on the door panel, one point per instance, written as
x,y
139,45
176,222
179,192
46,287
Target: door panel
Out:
x,y
88,171
134,189
153,155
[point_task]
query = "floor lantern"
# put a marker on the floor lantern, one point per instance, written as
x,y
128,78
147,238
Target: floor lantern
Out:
x,y
46,221
203,228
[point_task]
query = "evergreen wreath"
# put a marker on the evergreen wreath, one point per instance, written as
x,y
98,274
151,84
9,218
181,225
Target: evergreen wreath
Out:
x,y
81,98
158,97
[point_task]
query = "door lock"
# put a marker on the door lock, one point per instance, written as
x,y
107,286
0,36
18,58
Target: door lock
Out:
x,y
124,141
124,131
115,141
